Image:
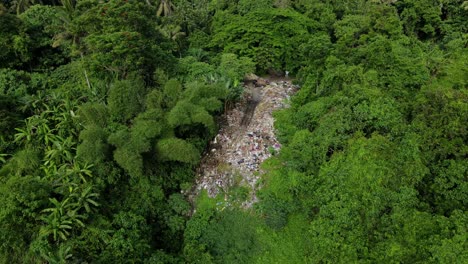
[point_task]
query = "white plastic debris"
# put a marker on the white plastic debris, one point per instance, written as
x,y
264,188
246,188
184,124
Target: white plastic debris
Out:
x,y
239,150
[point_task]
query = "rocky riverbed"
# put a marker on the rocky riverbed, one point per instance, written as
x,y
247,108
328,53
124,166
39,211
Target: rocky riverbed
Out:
x,y
246,138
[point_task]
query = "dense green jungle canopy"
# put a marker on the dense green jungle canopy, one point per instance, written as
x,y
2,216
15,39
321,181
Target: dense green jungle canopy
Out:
x,y
107,105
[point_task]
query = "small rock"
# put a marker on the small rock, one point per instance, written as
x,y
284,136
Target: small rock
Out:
x,y
250,77
261,82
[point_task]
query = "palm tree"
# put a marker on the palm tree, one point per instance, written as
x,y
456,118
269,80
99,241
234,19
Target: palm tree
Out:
x,y
59,257
26,135
66,13
85,199
172,32
78,171
2,9
68,6
165,8
60,149
57,222
23,5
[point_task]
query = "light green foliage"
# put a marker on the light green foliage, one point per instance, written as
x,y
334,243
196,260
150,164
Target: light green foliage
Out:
x,y
181,114
22,199
147,125
452,249
23,162
246,7
452,71
231,237
349,30
174,149
397,73
128,152
271,37
125,99
194,251
194,69
185,114
225,80
93,148
275,211
386,21
317,10
154,100
316,49
235,68
172,92
94,115
440,116
59,221
289,245
421,17
208,96
146,130
217,235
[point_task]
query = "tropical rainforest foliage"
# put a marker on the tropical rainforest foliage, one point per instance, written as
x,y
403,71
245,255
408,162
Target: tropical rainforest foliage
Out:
x,y
107,105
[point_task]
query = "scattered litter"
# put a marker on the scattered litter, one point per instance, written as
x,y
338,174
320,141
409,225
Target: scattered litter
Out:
x,y
240,149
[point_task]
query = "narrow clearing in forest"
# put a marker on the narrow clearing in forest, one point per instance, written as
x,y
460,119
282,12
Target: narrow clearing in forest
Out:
x,y
246,138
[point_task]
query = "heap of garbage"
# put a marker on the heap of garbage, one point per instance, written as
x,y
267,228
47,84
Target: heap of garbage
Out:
x,y
246,139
